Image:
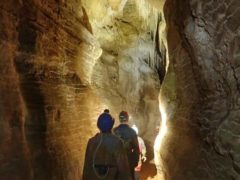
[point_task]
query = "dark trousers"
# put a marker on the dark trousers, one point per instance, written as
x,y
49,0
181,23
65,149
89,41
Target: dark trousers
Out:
x,y
133,174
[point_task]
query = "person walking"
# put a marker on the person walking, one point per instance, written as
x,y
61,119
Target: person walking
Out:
x,y
142,157
129,139
105,156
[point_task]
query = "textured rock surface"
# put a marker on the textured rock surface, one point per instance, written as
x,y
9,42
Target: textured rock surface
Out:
x,y
52,84
48,64
46,104
131,68
127,74
203,140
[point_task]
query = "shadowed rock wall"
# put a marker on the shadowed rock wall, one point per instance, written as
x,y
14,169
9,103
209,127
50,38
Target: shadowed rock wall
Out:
x,y
203,132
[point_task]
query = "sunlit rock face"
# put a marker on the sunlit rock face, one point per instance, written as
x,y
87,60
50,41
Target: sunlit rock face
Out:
x,y
47,108
129,72
201,90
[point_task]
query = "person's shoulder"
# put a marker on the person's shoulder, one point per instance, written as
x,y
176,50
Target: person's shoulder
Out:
x,y
92,139
114,137
115,140
131,130
115,129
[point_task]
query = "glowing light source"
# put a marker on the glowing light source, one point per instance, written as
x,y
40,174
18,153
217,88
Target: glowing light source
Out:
x,y
162,131
159,140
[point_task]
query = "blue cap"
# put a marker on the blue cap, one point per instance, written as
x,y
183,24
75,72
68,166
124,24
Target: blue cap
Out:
x,y
105,122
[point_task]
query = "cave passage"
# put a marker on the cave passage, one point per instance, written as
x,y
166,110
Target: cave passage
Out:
x,y
173,65
131,68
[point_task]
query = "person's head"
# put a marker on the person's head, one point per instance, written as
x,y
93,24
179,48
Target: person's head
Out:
x,y
123,117
105,122
106,111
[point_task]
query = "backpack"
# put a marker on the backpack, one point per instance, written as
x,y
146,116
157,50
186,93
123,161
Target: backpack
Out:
x,y
127,144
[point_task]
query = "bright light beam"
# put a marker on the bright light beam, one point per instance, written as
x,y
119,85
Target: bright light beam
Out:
x,y
162,131
159,139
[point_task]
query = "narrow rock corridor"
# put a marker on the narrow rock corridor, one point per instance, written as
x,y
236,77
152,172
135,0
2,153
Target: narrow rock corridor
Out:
x,y
174,65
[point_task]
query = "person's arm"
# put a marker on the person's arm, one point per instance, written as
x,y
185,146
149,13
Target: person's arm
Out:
x,y
122,163
144,150
87,163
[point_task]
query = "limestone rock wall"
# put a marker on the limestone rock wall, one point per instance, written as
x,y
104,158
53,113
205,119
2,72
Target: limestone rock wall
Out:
x,y
47,108
130,70
203,135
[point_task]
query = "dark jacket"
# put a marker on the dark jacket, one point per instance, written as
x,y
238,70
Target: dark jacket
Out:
x,y
106,152
129,137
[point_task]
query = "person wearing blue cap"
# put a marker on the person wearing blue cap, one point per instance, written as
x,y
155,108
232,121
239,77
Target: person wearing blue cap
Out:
x,y
105,157
130,141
